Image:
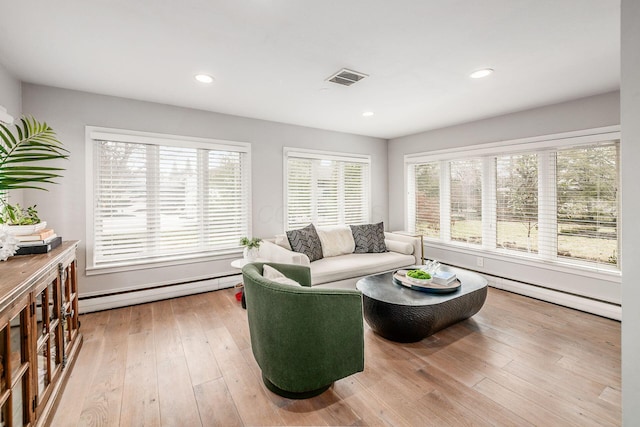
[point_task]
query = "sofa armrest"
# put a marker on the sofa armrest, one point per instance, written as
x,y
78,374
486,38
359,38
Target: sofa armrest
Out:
x,y
271,252
415,241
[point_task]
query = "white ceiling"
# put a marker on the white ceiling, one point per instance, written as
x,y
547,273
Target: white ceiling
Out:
x,y
270,58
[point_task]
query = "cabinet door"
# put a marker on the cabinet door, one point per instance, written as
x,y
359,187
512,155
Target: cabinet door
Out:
x,y
47,337
16,365
69,314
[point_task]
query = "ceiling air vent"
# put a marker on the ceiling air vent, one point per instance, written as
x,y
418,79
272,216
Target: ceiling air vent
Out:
x,y
346,77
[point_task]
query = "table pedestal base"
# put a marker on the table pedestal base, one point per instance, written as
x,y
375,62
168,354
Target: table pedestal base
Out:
x,y
404,323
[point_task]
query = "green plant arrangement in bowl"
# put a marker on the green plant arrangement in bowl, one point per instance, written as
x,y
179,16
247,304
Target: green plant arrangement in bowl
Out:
x,y
30,142
419,276
251,247
17,215
21,220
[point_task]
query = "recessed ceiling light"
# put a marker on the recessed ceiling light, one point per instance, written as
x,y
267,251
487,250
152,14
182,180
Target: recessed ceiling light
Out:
x,y
204,78
481,73
367,114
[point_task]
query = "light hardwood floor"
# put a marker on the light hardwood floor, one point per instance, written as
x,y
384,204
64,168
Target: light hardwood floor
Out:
x,y
188,362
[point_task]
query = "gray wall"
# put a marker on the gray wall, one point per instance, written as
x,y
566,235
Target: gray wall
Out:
x,y
10,93
11,99
592,112
68,112
630,120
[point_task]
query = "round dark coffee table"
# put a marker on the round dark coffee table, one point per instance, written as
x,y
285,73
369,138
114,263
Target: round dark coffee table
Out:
x,y
406,315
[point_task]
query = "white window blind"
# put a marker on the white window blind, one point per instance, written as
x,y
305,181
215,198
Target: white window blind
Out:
x,y
466,200
587,208
325,189
517,202
167,200
424,199
557,200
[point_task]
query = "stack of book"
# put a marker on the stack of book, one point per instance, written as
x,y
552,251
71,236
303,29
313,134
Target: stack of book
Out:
x,y
39,242
444,278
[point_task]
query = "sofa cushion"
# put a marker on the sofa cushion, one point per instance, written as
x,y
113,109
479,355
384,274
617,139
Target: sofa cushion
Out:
x,y
336,240
274,275
369,238
306,241
348,266
401,247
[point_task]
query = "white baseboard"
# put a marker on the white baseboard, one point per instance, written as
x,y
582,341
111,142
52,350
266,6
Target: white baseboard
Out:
x,y
97,303
105,302
600,308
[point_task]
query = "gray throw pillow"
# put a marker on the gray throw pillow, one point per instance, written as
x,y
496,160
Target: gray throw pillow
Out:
x,y
306,241
369,238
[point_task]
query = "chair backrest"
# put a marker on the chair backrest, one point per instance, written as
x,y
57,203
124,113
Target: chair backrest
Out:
x,y
303,337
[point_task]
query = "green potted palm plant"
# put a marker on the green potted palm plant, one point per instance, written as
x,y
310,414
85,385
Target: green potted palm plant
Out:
x,y
21,152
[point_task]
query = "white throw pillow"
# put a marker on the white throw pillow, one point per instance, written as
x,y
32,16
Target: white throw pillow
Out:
x,y
274,275
336,240
400,247
283,241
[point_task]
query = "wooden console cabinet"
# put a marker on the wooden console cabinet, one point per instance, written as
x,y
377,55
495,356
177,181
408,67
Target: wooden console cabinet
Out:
x,y
39,333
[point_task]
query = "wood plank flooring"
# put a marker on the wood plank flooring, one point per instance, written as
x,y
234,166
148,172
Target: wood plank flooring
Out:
x,y
188,362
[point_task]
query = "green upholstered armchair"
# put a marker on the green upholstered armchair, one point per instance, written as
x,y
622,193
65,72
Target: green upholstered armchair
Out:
x,y
303,338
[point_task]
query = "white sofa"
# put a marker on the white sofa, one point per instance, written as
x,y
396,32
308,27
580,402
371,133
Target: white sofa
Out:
x,y
343,271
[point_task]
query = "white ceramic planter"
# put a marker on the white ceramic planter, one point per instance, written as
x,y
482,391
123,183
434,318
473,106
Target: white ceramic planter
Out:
x,y
21,230
250,254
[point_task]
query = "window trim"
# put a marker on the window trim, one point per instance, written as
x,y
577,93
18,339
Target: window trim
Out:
x,y
566,139
304,153
538,143
579,269
93,133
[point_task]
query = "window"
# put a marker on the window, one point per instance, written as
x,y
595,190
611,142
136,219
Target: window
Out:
x,y
466,200
326,189
517,202
425,202
164,198
555,199
587,211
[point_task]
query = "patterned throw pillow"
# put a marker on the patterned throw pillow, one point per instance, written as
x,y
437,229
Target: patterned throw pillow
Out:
x,y
369,238
306,241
